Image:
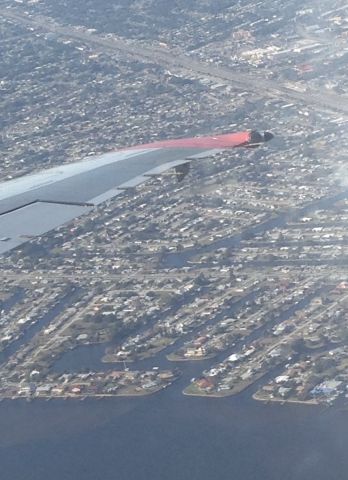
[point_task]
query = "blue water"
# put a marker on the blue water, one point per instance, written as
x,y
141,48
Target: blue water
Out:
x,y
28,333
172,437
169,436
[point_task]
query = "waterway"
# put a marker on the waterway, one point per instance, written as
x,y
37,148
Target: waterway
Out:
x,y
180,259
169,436
89,357
172,437
28,333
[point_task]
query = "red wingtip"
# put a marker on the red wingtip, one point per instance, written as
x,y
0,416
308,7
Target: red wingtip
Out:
x,y
227,140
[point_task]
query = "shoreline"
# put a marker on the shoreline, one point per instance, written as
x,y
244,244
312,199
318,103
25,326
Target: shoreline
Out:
x,y
171,358
284,400
82,397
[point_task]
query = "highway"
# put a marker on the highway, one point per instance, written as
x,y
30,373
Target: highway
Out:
x,y
321,100
177,280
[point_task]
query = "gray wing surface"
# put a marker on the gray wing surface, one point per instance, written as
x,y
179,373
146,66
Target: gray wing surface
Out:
x,y
35,204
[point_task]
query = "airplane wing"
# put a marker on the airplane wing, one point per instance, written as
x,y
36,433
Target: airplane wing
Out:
x,y
35,204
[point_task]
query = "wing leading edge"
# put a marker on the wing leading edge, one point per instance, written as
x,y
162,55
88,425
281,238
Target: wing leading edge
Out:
x,y
35,204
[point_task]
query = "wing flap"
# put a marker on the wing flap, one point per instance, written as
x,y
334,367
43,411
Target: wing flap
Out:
x,y
35,204
34,219
182,170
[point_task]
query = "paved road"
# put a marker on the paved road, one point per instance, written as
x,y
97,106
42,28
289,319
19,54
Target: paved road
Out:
x,y
166,58
90,275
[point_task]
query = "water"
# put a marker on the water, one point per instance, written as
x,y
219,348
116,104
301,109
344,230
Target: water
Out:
x,y
83,357
169,436
89,357
178,260
28,333
17,296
